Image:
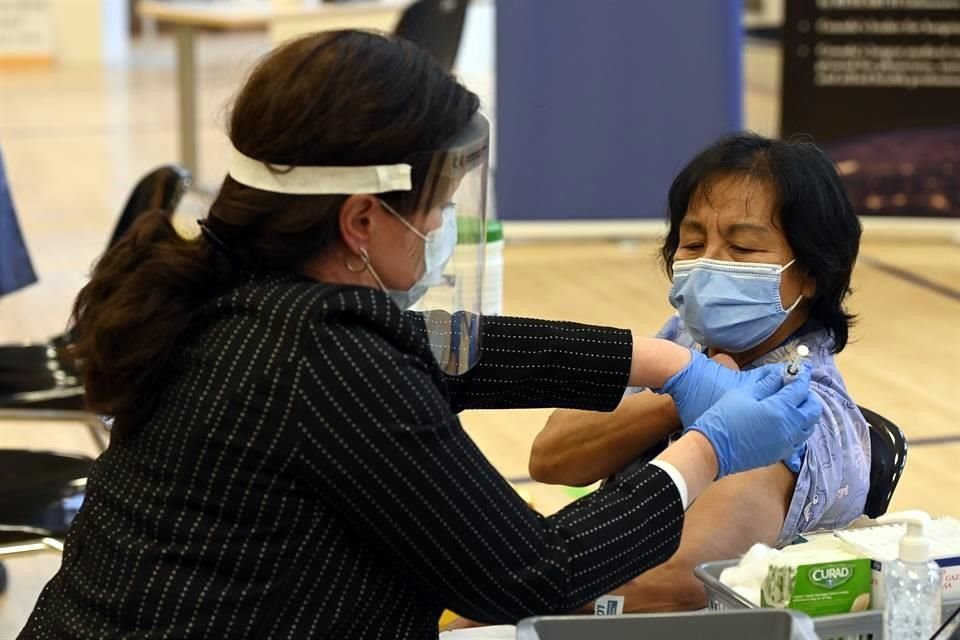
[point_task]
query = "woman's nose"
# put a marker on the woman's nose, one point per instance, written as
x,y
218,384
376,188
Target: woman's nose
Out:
x,y
716,252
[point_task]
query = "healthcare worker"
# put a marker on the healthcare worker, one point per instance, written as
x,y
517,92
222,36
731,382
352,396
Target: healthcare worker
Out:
x,y
286,460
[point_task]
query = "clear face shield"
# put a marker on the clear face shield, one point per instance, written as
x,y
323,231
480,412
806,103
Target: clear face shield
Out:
x,y
456,183
451,182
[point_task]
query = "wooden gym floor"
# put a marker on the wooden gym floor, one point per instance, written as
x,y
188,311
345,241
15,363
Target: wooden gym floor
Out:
x,y
75,141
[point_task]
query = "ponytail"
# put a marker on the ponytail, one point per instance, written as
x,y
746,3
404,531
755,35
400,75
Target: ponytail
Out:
x,y
129,321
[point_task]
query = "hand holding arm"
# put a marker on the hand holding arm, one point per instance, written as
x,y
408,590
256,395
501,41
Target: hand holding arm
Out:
x,y
757,425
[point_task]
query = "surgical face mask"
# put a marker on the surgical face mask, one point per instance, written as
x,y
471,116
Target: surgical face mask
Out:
x,y
733,306
438,247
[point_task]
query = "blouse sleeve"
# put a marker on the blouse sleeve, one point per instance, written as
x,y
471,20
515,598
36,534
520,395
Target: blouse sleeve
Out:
x,y
380,442
528,363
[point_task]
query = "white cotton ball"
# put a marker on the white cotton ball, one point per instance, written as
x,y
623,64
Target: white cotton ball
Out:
x,y
757,574
758,553
756,564
752,568
732,576
751,594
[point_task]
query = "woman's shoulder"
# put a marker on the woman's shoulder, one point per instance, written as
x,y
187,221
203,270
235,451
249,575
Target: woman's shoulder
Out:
x,y
321,311
826,381
290,308
293,297
821,358
283,321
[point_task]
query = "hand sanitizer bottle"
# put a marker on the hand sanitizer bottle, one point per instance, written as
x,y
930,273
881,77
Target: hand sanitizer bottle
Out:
x,y
912,607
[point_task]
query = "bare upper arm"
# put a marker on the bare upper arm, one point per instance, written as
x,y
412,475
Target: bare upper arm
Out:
x,y
735,513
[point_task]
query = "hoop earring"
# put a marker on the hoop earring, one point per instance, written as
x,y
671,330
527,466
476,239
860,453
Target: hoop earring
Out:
x,y
366,267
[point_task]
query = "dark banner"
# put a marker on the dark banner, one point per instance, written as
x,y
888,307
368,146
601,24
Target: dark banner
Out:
x,y
877,83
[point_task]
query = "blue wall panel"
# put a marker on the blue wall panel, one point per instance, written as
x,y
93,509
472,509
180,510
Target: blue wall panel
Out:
x,y
600,102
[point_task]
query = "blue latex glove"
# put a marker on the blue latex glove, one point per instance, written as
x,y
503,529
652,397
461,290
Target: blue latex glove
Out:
x,y
700,384
755,426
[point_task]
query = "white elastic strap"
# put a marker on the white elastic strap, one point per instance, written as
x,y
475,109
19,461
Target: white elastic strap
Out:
x,y
787,266
677,478
399,217
794,305
319,180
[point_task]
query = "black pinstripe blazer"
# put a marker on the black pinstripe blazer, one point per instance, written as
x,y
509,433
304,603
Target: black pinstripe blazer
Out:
x,y
306,476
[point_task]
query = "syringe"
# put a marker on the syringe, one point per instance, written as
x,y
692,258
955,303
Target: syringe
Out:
x,y
793,369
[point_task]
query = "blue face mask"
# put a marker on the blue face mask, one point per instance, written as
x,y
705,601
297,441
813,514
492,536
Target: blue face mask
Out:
x,y
438,247
733,306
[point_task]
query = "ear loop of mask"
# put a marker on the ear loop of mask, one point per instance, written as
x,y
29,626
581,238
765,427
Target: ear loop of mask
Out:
x,y
795,304
799,297
407,224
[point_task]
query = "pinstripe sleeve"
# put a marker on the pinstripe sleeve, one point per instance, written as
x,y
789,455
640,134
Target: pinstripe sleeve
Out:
x,y
382,446
529,363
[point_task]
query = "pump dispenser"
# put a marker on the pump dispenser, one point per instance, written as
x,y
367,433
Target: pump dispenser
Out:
x,y
912,607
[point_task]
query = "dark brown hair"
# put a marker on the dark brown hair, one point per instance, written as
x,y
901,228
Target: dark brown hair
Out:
x,y
337,98
818,220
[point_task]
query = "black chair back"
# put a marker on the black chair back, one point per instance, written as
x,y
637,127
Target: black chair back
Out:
x,y
41,489
887,460
161,189
435,26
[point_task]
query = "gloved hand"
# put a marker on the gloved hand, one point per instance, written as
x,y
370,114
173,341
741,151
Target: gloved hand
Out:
x,y
700,384
755,426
